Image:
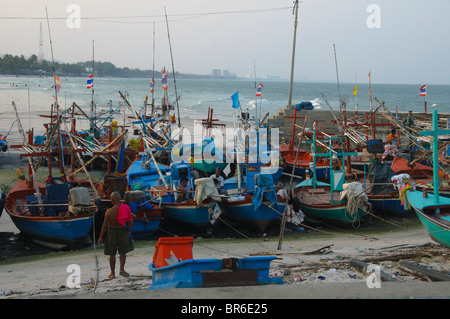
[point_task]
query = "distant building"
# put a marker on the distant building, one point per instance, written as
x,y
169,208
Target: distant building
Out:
x,y
218,73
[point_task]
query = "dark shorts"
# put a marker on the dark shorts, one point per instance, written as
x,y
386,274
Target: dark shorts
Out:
x,y
118,239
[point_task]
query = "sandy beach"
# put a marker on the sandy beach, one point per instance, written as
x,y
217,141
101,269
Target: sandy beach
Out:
x,y
313,265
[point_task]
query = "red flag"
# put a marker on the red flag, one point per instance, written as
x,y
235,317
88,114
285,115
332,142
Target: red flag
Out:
x,y
57,83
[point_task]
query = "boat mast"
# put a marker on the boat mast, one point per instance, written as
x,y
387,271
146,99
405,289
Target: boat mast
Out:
x,y
91,120
293,54
173,69
153,76
58,115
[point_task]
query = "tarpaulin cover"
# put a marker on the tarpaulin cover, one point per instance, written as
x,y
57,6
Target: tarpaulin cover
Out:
x,y
264,183
304,106
380,173
79,196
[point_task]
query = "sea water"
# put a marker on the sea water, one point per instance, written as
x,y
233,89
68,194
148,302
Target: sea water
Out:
x,y
34,95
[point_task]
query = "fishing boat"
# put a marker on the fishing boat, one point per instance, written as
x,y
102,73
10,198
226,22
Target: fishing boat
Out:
x,y
144,173
208,156
52,218
302,166
146,217
301,159
433,212
400,166
258,209
383,196
320,200
62,210
195,210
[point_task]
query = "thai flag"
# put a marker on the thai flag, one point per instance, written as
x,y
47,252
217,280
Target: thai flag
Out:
x,y
90,81
57,83
423,90
164,79
258,91
152,86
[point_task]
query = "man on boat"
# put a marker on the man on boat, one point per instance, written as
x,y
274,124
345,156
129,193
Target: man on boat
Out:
x,y
391,137
218,175
183,191
281,191
117,225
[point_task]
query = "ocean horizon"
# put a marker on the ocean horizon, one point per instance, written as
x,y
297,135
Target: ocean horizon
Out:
x,y
34,95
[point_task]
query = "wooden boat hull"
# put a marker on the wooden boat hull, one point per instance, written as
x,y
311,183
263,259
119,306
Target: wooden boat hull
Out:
x,y
145,226
70,230
388,205
62,231
192,215
243,212
333,213
437,225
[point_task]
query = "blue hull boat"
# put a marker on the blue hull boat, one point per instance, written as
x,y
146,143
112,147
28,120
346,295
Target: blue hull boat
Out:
x,y
186,211
146,221
243,212
388,205
189,214
55,230
53,224
259,208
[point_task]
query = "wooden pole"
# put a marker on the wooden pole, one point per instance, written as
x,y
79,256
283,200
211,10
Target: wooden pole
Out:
x,y
293,54
283,221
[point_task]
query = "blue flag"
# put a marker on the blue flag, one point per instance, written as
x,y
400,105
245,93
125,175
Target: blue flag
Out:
x,y
235,99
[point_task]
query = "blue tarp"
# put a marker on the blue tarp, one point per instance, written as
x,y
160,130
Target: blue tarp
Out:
x,y
264,183
304,106
135,206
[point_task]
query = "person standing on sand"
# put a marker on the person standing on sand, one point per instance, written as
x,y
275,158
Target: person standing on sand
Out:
x,y
118,234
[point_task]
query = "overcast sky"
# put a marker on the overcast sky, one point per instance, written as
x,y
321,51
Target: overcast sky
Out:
x,y
400,41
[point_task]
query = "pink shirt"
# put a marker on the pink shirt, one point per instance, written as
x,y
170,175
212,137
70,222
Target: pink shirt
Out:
x,y
124,214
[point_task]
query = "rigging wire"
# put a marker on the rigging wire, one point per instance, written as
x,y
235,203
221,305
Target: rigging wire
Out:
x,y
181,16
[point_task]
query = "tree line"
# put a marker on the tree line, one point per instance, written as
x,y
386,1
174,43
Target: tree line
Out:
x,y
19,65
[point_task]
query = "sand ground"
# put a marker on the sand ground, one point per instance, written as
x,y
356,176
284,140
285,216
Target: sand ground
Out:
x,y
313,265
